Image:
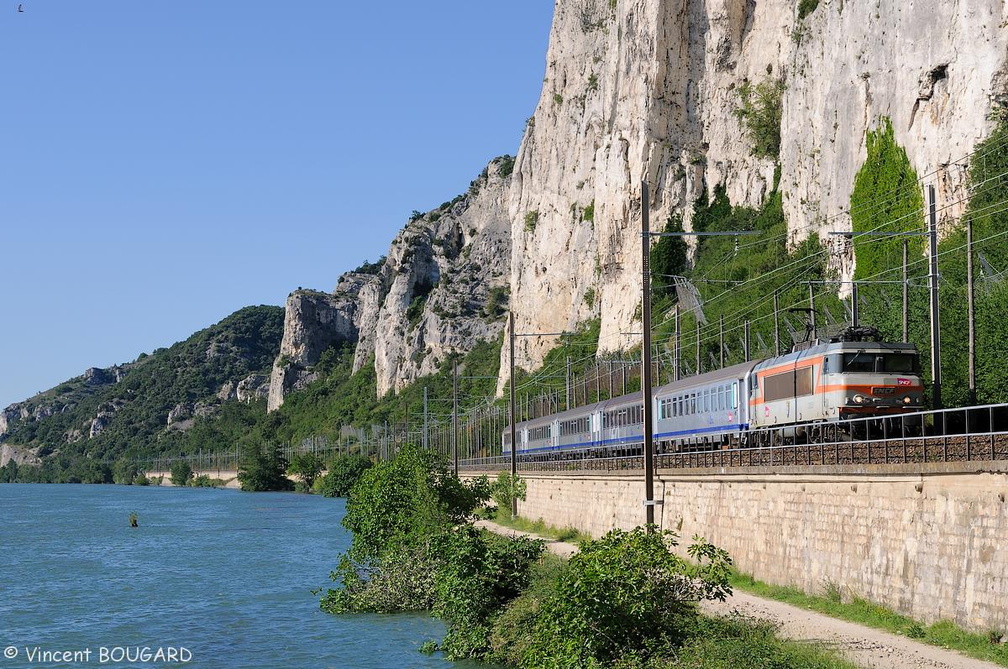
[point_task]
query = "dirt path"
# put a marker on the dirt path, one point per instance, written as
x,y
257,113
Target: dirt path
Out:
x,y
865,646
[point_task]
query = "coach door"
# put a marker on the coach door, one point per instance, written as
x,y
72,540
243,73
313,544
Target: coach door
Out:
x,y
596,428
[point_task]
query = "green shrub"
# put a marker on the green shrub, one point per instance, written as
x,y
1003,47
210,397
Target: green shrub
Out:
x,y
306,467
343,472
623,592
806,7
507,488
531,220
263,468
181,473
760,111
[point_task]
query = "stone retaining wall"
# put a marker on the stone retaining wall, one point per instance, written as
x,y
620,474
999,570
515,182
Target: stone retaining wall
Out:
x,y
928,541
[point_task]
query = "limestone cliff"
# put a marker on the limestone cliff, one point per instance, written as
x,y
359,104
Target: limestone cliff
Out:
x,y
646,91
639,90
440,289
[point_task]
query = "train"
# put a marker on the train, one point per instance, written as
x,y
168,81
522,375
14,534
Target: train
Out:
x,y
846,386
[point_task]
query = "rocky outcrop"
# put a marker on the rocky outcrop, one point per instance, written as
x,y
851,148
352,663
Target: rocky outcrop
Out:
x,y
440,289
18,455
313,322
96,376
183,416
252,387
8,417
641,91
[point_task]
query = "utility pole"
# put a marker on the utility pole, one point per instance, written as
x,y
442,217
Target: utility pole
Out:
x,y
678,340
721,337
776,324
697,346
935,314
906,294
514,443
455,457
649,500
812,318
971,307
567,404
854,304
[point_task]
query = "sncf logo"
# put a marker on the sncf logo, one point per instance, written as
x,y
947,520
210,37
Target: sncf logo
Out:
x,y
903,382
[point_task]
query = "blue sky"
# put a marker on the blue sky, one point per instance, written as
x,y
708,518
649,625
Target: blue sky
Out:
x,y
163,164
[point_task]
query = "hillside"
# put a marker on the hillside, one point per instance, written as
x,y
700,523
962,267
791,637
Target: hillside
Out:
x,y
147,406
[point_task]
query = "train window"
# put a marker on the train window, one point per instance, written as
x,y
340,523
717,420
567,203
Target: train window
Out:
x,y
858,362
907,363
693,408
803,381
706,400
779,386
721,398
734,395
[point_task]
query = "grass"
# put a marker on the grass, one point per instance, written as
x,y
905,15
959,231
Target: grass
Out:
x,y
855,609
742,642
566,534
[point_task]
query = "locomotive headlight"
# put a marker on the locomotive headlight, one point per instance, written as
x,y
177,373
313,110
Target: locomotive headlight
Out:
x,y
907,400
859,399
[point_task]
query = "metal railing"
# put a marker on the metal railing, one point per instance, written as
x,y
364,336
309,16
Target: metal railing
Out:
x,y
950,435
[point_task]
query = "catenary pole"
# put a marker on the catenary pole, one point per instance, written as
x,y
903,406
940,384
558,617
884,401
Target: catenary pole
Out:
x,y
649,500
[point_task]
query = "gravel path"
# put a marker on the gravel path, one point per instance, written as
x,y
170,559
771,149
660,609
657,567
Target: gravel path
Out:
x,y
864,646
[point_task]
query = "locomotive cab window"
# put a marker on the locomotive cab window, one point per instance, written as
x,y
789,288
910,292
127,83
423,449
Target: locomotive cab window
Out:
x,y
858,362
906,363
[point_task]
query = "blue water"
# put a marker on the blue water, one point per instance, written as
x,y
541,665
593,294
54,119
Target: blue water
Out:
x,y
222,575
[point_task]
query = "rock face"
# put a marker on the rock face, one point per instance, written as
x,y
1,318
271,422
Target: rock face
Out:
x,y
18,455
313,322
441,289
641,90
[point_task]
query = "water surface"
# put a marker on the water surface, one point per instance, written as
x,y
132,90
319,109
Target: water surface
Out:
x,y
225,575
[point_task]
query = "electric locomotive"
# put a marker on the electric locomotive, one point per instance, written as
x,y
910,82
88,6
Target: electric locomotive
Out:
x,y
821,390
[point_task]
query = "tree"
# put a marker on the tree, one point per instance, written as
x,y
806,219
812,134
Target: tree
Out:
x,y
306,467
263,468
181,473
669,258
344,472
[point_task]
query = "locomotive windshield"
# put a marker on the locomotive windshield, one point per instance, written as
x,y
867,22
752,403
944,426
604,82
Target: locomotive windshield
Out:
x,y
906,363
892,363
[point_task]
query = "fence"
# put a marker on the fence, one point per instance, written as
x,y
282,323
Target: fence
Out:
x,y
951,435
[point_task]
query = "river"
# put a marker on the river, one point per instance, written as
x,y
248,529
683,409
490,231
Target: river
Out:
x,y
209,578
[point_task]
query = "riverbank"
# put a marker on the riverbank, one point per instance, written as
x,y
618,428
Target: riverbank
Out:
x,y
229,478
864,646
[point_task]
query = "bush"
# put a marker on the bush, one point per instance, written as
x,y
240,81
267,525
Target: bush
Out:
x,y
760,111
624,593
306,467
806,7
506,489
263,468
181,473
479,574
343,472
